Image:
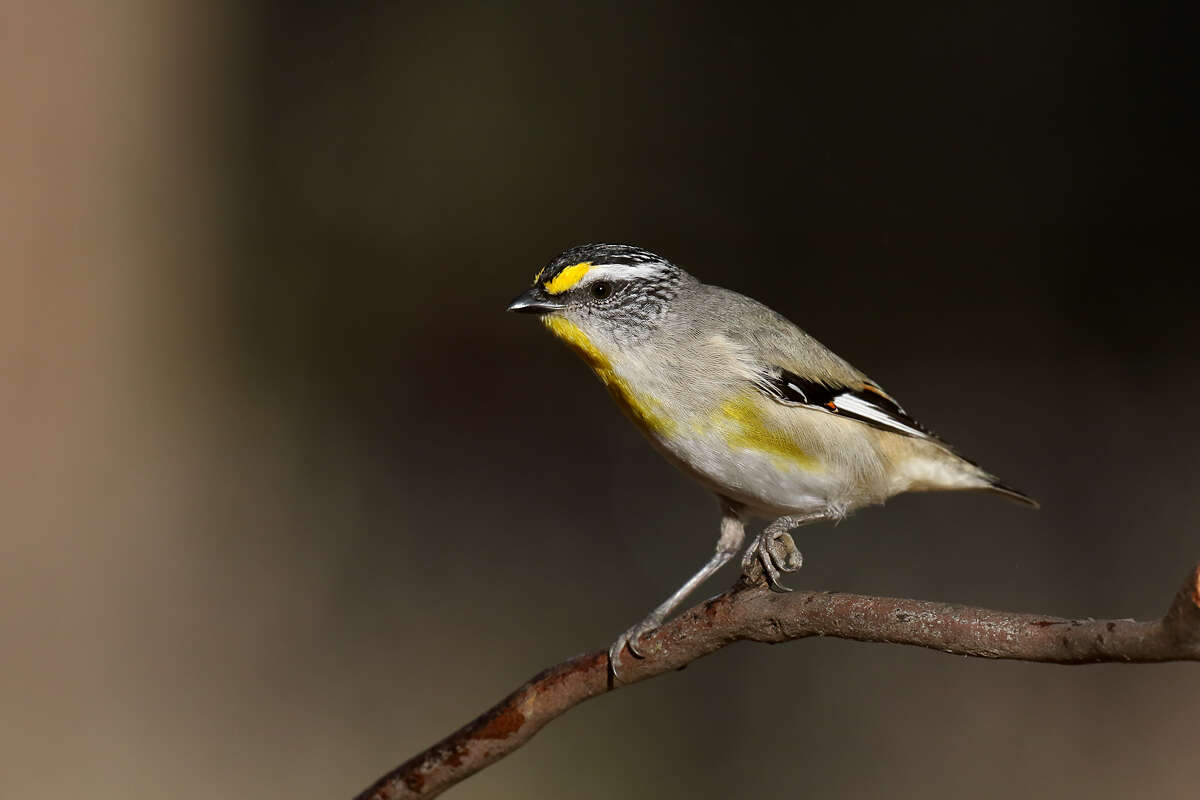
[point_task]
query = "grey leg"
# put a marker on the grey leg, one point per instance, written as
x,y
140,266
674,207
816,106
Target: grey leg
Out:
x,y
732,534
774,551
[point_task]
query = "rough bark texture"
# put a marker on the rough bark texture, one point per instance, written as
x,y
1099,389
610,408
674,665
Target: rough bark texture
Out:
x,y
752,613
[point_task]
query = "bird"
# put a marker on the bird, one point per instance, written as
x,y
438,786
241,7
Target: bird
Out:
x,y
735,395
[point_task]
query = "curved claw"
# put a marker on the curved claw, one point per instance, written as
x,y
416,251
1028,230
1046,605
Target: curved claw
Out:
x,y
771,570
776,586
614,654
634,635
628,639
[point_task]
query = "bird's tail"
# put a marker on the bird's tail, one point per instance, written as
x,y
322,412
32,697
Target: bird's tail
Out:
x,y
944,468
1008,491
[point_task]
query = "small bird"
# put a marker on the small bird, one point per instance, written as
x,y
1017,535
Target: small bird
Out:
x,y
745,402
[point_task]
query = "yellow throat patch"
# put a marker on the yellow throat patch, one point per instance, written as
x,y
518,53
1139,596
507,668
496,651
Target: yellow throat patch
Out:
x,y
643,410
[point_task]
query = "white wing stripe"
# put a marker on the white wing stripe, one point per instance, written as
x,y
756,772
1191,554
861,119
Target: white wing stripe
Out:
x,y
856,405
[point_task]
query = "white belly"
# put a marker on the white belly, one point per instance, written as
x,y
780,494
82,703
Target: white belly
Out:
x,y
766,483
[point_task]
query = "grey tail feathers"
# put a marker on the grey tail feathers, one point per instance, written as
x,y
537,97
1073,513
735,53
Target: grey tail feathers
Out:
x,y
1015,494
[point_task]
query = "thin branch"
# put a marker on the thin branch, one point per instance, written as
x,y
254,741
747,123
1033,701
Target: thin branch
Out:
x,y
752,613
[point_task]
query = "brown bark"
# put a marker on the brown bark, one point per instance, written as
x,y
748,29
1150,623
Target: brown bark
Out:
x,y
752,613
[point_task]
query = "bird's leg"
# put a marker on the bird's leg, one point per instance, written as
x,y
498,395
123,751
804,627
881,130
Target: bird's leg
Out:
x,y
730,541
773,551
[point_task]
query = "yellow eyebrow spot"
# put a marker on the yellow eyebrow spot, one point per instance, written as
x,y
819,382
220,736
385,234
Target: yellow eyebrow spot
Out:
x,y
643,410
568,277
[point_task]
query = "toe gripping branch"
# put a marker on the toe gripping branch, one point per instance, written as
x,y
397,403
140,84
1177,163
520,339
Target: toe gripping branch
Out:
x,y
770,555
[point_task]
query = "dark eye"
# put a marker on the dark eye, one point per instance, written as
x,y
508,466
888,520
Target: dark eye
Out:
x,y
602,290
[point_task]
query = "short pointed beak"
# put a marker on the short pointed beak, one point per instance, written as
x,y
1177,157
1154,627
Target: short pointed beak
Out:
x,y
534,301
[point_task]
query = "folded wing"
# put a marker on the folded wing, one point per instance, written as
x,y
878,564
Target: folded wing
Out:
x,y
866,403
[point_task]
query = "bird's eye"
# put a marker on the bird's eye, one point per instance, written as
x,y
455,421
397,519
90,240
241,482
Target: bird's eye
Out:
x,y
602,290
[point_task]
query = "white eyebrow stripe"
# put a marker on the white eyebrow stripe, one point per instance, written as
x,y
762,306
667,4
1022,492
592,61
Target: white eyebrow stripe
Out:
x,y
624,272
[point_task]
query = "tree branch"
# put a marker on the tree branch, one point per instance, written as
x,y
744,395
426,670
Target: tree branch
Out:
x,y
752,613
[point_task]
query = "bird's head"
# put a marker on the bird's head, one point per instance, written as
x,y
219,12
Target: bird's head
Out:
x,y
610,293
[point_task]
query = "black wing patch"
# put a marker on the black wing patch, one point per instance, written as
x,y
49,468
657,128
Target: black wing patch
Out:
x,y
870,404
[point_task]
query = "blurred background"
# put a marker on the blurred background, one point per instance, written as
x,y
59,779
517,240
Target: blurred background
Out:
x,y
286,496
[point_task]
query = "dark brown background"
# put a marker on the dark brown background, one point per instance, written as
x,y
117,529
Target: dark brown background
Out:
x,y
287,496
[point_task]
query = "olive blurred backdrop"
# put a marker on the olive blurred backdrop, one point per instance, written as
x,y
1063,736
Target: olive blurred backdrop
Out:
x,y
286,496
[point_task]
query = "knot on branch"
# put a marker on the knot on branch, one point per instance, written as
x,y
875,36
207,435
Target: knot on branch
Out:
x,y
1182,620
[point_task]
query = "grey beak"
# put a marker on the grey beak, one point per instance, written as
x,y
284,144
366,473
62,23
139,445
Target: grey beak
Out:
x,y
534,301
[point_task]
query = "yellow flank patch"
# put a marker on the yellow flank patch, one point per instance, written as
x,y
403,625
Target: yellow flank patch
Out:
x,y
643,410
568,277
745,425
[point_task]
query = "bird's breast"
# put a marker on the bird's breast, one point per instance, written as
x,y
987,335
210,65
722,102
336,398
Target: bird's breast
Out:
x,y
639,404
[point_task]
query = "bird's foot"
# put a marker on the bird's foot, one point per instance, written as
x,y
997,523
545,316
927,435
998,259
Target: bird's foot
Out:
x,y
630,639
769,555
